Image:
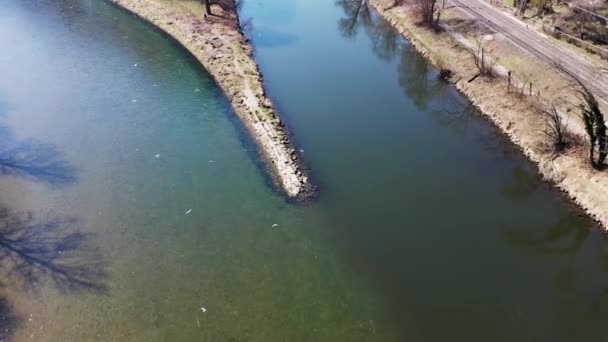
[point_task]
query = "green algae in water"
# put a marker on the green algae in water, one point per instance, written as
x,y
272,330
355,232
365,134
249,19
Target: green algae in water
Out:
x,y
399,247
170,187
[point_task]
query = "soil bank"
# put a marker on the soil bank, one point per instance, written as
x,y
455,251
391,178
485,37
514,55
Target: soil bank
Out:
x,y
522,122
219,45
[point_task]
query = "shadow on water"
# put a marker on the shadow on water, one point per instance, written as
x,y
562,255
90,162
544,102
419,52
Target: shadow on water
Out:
x,y
417,77
9,321
34,160
266,37
565,237
419,80
567,247
580,280
568,237
386,41
273,39
37,252
34,252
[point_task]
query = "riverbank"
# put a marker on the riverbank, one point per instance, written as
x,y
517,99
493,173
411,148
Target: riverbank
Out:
x,y
517,117
219,45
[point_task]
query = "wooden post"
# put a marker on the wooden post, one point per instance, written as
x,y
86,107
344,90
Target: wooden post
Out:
x,y
207,8
509,81
483,68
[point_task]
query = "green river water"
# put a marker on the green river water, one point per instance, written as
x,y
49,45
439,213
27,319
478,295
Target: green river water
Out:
x,y
135,208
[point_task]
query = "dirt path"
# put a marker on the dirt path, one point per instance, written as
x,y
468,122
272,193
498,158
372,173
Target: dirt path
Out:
x,y
220,47
516,116
536,44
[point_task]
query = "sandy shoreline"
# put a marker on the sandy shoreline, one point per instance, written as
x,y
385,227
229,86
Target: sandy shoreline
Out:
x,y
219,45
569,171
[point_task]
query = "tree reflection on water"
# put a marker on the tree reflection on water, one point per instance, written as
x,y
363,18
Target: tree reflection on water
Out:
x,y
34,160
36,251
418,79
8,320
574,252
358,14
568,247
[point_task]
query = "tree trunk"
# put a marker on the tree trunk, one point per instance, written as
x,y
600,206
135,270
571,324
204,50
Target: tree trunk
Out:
x,y
207,7
601,143
437,20
591,155
522,7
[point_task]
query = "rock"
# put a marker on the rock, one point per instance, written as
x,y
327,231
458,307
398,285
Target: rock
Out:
x,y
216,55
216,42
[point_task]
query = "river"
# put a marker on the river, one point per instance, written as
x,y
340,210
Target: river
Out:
x,y
135,208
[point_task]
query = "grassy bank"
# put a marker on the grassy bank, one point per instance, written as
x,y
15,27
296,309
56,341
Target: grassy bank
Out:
x,y
517,116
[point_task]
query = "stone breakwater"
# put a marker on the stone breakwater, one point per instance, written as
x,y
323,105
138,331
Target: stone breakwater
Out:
x,y
218,43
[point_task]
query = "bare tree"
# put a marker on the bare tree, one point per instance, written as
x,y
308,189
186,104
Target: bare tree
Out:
x,y
425,11
593,119
555,129
582,15
595,127
485,66
521,9
225,5
542,6
207,4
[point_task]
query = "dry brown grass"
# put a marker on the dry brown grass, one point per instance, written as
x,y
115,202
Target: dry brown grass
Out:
x,y
520,118
218,44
